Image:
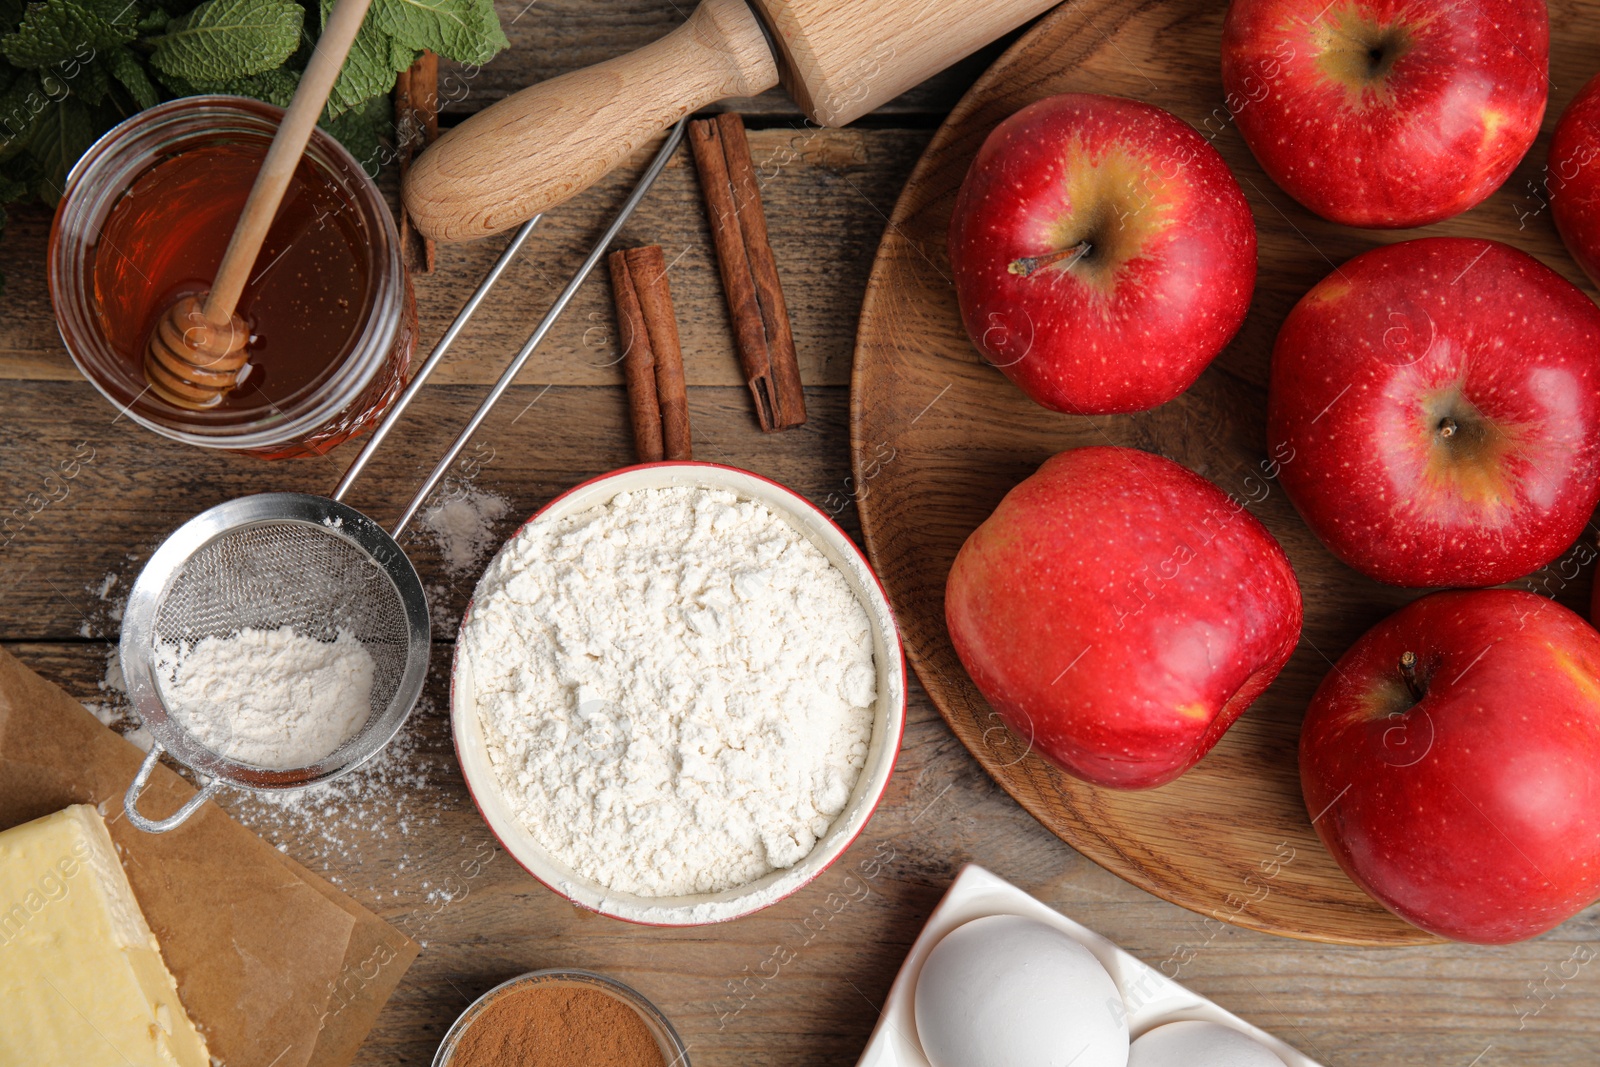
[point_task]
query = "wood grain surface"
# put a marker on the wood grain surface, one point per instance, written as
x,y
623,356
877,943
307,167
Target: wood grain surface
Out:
x,y
939,437
826,192
405,840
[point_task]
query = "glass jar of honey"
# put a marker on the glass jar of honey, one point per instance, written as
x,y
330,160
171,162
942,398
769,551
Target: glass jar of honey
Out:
x,y
147,213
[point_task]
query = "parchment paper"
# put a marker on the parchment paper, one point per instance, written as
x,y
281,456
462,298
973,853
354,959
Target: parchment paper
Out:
x,y
277,967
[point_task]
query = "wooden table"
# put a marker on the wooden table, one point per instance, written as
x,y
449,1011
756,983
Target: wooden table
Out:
x,y
405,839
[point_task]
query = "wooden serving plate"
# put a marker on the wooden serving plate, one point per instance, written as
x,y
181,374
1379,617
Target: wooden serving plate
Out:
x,y
939,437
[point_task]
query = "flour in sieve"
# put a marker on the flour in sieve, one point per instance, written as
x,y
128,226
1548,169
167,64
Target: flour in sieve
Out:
x,y
272,698
675,687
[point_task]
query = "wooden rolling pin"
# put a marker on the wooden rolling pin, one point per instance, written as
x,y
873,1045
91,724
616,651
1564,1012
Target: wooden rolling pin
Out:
x,y
838,59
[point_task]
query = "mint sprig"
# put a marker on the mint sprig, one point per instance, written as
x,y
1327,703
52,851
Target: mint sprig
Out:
x,y
72,69
395,32
66,34
223,39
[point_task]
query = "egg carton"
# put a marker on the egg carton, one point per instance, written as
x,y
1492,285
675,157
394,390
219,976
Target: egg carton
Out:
x,y
1151,997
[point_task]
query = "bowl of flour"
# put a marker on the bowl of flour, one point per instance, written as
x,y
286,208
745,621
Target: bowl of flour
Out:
x,y
678,693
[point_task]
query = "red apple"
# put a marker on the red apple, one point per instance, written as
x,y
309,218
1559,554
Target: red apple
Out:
x,y
1451,764
1120,612
1102,253
1573,178
1387,112
1435,405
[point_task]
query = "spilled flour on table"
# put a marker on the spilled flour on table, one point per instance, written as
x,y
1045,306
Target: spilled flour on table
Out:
x,y
114,708
383,801
380,832
462,524
107,599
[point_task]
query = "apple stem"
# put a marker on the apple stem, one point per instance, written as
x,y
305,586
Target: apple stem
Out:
x,y
1448,427
1408,674
1028,264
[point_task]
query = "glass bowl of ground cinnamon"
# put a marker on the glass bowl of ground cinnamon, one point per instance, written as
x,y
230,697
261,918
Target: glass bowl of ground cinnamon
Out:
x,y
561,1018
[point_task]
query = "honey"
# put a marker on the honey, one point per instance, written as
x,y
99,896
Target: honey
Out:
x,y
307,294
147,214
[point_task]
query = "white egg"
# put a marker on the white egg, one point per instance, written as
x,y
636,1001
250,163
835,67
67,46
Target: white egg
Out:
x,y
1005,991
1200,1044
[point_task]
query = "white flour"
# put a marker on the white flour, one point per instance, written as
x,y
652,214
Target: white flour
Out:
x,y
113,709
462,524
272,698
675,688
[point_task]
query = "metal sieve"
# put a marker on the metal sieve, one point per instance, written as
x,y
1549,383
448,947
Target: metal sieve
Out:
x,y
316,565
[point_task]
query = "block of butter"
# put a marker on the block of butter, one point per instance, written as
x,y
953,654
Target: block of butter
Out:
x,y
82,982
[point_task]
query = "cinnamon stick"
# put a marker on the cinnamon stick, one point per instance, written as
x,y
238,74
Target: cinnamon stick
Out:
x,y
761,331
652,359
638,363
416,120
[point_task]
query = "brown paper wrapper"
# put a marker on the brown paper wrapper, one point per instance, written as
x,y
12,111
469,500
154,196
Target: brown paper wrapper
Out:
x,y
275,966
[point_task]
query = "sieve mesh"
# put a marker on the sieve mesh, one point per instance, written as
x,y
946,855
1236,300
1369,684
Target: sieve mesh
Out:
x,y
289,573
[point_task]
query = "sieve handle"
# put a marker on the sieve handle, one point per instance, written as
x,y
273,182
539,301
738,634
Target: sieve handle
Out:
x,y
664,153
178,818
507,256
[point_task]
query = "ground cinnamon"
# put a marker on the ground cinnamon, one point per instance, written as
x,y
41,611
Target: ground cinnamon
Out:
x,y
556,1026
652,360
761,331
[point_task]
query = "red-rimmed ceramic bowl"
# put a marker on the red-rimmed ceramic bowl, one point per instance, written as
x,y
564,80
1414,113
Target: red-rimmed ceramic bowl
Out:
x,y
889,713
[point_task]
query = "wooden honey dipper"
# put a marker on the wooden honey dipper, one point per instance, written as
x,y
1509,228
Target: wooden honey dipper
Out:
x,y
199,348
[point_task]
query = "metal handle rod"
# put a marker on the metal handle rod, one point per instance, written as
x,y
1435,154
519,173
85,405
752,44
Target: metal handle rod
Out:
x,y
436,357
674,136
130,799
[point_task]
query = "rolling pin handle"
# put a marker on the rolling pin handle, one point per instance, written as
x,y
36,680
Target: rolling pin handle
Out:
x,y
536,148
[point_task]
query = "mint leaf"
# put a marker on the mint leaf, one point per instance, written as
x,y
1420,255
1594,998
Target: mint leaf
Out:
x,y
363,130
396,30
20,107
65,130
401,55
368,70
273,86
91,83
224,39
172,85
65,35
130,73
120,12
463,30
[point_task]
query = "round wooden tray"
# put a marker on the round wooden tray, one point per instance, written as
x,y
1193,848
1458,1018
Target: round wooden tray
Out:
x,y
938,439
